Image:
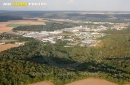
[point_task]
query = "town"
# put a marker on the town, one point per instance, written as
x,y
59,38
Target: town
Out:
x,y
80,35
83,35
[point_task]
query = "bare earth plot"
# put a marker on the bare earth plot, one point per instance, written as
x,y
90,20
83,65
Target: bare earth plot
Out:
x,y
42,83
91,81
30,22
5,28
7,46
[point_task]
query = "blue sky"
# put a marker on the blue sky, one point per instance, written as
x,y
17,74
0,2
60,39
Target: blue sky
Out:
x,y
80,5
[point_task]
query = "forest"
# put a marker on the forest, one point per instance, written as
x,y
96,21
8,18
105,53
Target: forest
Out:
x,y
50,26
5,17
37,61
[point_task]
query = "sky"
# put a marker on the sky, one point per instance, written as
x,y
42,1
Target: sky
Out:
x,y
73,5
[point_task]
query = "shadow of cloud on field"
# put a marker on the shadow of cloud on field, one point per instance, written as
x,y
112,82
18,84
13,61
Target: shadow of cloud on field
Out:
x,y
70,65
55,61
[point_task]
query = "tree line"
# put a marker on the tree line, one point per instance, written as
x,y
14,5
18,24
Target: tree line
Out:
x,y
50,26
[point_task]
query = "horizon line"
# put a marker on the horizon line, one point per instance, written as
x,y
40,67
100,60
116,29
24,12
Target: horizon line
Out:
x,y
71,10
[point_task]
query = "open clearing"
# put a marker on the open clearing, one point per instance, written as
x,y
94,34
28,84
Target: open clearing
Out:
x,y
42,83
4,25
7,46
88,81
92,81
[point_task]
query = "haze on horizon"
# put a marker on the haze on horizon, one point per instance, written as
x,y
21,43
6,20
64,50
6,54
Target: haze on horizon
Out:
x,y
78,5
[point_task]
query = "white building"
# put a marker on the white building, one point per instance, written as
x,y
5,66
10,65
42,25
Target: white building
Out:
x,y
19,43
2,43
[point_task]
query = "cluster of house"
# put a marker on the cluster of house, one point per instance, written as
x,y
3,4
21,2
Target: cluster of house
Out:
x,y
52,39
85,29
42,34
45,36
120,26
117,26
86,35
89,35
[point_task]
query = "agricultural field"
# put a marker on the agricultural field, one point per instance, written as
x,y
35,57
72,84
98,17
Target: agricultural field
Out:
x,y
42,83
91,81
7,46
4,28
8,26
16,25
30,22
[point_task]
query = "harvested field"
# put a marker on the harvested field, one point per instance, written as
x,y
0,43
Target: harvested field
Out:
x,y
42,83
30,22
92,81
5,29
4,25
7,46
89,81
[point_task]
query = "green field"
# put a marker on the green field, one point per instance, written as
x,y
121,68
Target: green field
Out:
x,y
16,25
